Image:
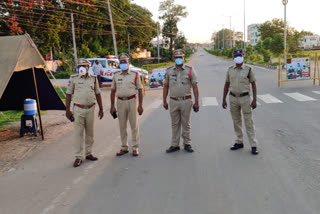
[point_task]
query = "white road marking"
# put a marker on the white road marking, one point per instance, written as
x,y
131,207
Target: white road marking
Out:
x,y
257,101
316,92
268,98
300,97
209,101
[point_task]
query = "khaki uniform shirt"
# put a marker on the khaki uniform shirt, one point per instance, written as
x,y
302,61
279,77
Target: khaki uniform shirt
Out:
x,y
179,82
126,84
84,90
238,78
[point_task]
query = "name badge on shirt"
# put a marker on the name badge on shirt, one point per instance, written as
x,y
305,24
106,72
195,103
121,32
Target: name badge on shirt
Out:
x,y
174,75
119,79
80,82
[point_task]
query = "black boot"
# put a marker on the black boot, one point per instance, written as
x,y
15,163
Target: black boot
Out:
x,y
237,146
254,150
173,149
188,148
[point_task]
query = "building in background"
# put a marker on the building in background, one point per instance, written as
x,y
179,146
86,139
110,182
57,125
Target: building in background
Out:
x,y
253,34
310,42
141,54
162,43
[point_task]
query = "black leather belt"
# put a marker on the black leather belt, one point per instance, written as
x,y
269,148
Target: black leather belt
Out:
x,y
240,95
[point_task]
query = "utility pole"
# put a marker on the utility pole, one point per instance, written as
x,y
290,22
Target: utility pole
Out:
x,y
244,24
223,37
231,34
158,42
74,40
128,43
218,40
285,2
112,29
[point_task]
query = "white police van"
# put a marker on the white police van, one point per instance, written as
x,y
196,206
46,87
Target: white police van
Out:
x,y
111,65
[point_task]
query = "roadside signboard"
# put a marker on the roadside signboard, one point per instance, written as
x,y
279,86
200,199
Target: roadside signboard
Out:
x,y
298,68
156,78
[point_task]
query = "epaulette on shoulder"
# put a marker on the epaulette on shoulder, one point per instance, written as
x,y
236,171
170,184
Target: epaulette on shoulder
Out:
x,y
232,66
168,68
247,66
93,75
116,72
74,75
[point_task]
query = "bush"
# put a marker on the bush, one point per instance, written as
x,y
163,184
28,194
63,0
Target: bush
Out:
x,y
63,75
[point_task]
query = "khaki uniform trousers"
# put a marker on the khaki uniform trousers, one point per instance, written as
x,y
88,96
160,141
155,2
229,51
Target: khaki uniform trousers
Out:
x,y
83,122
127,110
236,105
180,112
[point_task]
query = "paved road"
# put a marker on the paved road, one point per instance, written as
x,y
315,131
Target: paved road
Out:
x,y
283,178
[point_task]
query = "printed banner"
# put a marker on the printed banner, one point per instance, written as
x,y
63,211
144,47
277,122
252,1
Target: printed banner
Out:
x,y
156,78
298,68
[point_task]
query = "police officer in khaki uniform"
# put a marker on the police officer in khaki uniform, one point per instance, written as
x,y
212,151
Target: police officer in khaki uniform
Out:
x,y
178,81
85,90
239,78
125,84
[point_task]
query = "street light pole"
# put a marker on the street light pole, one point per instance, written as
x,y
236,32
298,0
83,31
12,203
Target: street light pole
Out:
x,y
285,2
244,24
231,34
223,36
158,43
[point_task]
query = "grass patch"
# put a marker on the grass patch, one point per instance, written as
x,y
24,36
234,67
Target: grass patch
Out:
x,y
64,89
8,117
62,75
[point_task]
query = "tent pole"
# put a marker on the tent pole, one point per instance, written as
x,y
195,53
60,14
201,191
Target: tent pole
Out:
x,y
38,101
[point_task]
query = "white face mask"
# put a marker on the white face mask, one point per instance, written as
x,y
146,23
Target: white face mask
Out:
x,y
82,71
238,60
124,67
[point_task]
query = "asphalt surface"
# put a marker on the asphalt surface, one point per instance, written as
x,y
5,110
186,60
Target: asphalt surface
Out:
x,y
284,178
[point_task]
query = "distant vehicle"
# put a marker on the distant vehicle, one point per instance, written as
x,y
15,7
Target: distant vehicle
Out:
x,y
201,54
111,65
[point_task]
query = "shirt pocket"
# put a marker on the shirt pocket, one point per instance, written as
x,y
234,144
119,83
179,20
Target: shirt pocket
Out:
x,y
173,80
244,78
185,80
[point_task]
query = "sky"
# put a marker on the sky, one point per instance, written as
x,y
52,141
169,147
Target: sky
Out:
x,y
208,16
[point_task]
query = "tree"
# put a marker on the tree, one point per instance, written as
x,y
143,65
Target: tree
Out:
x,y
141,37
171,14
277,43
48,23
269,28
180,41
223,37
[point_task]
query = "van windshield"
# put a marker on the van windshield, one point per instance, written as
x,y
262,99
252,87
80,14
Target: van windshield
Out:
x,y
102,62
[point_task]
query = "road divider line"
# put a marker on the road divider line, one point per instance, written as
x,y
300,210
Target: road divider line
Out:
x,y
209,101
316,92
299,97
268,98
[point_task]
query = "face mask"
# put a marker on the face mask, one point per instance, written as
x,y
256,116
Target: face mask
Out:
x,y
124,67
82,71
238,60
179,61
